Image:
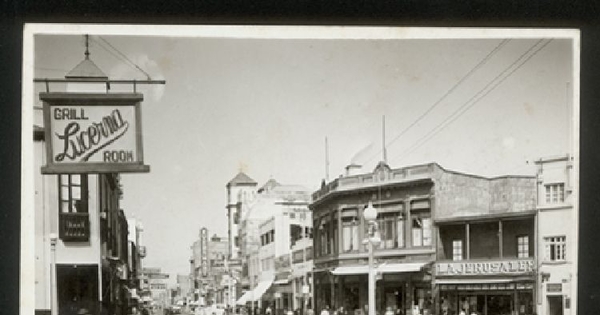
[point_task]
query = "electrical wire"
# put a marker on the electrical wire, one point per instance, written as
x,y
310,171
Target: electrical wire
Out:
x,y
476,98
450,91
125,57
109,51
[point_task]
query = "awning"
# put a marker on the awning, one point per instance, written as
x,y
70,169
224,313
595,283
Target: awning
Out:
x,y
350,270
399,268
146,298
244,298
384,268
260,289
281,281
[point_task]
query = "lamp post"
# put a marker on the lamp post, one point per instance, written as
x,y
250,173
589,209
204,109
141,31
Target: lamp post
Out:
x,y
370,214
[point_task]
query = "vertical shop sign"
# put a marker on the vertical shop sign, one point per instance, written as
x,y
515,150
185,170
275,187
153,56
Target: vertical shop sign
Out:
x,y
93,133
204,252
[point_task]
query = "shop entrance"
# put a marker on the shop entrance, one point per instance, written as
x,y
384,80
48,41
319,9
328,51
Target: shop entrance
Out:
x,y
555,305
77,287
498,303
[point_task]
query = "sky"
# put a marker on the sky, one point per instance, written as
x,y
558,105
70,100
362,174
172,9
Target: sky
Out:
x,y
265,106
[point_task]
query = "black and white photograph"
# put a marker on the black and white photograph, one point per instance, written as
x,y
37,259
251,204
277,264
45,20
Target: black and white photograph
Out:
x,y
299,170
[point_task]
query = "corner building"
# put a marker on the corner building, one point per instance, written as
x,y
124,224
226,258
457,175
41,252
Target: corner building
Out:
x,y
422,210
557,237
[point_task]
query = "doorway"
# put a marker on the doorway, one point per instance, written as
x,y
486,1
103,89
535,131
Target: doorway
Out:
x,y
77,288
555,305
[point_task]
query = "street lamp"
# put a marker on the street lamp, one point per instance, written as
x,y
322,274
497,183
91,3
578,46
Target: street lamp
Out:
x,y
373,240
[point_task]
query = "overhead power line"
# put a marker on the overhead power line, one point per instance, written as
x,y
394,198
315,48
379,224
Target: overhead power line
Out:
x,y
524,58
125,58
450,91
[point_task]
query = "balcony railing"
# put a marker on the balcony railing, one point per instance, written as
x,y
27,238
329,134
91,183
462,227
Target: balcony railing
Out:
x,y
74,227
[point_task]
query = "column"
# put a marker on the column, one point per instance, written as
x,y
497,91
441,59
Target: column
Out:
x,y
294,292
408,224
500,237
332,291
341,295
340,231
467,241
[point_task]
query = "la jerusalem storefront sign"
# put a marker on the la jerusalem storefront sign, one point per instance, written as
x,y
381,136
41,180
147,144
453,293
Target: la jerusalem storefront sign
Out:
x,y
93,133
500,267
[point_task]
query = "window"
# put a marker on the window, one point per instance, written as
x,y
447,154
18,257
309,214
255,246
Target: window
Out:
x,y
334,236
308,232
555,193
391,229
296,232
73,193
421,231
457,250
522,246
555,248
350,238
325,236
267,237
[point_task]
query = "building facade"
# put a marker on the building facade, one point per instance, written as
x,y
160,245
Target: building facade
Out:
x,y
83,256
422,210
486,246
213,280
271,222
557,239
154,288
239,189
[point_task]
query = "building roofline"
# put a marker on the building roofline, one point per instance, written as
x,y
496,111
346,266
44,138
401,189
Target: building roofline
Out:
x,y
486,217
553,158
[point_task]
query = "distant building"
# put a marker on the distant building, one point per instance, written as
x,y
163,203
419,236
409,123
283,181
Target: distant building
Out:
x,y
557,259
240,189
136,253
209,268
280,209
155,282
184,288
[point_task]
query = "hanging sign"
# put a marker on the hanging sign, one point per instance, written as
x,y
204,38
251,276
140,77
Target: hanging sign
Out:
x,y
93,133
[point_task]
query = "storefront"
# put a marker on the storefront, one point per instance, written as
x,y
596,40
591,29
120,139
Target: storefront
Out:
x,y
499,287
399,286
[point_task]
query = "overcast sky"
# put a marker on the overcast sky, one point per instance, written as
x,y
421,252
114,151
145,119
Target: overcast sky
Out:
x,y
266,106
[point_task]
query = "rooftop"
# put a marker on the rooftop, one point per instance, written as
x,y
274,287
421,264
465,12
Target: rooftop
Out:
x,y
86,69
241,179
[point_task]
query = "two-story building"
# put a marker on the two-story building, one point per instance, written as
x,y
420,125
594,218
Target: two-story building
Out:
x,y
427,218
485,245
